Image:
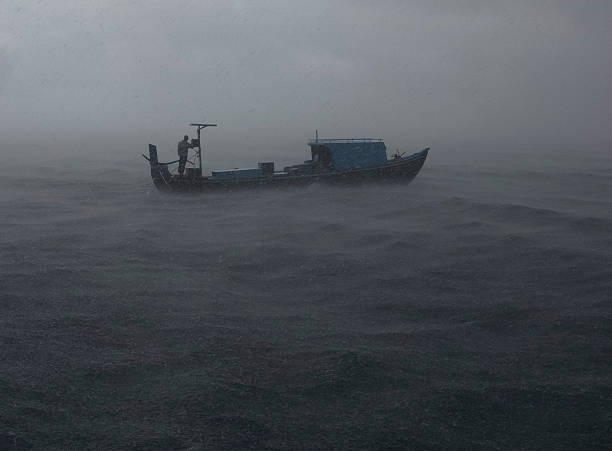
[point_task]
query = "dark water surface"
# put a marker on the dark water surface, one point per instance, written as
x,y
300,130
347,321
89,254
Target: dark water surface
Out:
x,y
469,309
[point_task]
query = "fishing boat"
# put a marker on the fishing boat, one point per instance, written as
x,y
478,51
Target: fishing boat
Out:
x,y
353,160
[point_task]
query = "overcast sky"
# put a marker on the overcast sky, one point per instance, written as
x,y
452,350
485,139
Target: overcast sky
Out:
x,y
511,74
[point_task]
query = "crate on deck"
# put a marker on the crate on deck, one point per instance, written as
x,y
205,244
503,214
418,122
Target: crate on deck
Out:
x,y
237,174
267,168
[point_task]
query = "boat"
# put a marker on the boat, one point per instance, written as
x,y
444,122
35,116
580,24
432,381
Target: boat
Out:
x,y
353,160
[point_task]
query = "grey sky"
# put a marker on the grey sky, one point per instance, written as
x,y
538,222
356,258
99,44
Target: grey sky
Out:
x,y
512,74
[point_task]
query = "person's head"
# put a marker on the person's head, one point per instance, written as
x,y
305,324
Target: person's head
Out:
x,y
185,138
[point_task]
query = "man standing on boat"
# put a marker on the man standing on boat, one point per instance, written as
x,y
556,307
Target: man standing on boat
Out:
x,y
183,151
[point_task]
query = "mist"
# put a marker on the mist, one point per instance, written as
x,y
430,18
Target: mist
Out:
x,y
467,309
451,75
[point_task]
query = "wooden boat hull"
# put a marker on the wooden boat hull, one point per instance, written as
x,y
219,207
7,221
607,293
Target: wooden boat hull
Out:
x,y
401,170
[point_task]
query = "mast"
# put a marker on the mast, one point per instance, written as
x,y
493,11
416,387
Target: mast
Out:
x,y
200,127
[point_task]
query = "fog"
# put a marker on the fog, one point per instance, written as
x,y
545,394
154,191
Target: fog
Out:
x,y
469,309
81,76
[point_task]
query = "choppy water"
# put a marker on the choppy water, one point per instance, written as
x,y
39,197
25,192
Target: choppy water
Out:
x,y
469,309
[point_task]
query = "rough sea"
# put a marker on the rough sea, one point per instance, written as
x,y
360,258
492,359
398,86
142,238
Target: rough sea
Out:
x,y
470,309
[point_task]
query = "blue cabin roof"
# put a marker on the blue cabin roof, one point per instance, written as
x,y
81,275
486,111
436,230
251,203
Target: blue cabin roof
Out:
x,y
351,153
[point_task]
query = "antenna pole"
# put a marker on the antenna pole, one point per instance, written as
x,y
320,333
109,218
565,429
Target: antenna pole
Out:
x,y
200,127
200,150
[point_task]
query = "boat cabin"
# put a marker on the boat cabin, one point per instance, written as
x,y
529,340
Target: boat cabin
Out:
x,y
345,154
